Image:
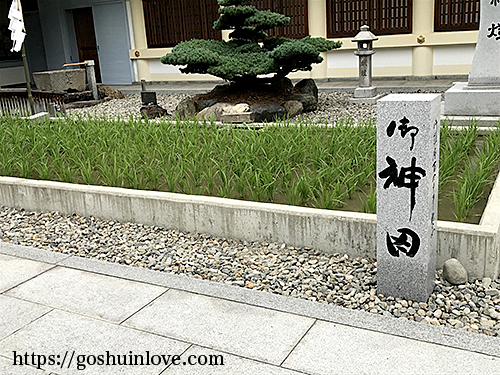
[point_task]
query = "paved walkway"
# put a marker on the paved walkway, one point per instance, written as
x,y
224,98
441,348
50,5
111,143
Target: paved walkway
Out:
x,y
383,85
81,313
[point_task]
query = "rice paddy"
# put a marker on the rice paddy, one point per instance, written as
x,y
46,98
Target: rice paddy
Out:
x,y
304,164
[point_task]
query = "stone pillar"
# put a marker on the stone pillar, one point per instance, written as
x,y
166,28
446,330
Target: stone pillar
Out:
x,y
485,68
479,96
407,188
91,80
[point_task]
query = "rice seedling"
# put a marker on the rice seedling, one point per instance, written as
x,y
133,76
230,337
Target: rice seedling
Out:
x,y
477,174
300,164
370,201
454,149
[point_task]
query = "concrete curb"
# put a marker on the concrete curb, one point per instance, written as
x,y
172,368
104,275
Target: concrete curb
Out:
x,y
331,313
477,247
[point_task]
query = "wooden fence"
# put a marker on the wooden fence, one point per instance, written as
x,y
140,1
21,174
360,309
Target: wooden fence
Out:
x,y
297,10
456,15
345,17
15,102
169,22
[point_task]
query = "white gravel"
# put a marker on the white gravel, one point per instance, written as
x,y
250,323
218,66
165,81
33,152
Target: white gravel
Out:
x,y
331,106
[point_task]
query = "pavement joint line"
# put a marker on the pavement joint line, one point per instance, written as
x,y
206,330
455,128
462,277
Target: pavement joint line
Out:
x,y
34,320
42,371
169,365
443,336
321,315
29,279
298,342
143,307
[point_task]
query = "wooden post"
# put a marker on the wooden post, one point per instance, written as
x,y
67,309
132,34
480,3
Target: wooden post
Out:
x,y
26,69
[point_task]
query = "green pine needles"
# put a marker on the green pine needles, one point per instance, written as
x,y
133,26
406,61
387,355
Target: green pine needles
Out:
x,y
250,52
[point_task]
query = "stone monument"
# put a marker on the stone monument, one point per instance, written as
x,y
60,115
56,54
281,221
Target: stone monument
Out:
x,y
480,95
407,188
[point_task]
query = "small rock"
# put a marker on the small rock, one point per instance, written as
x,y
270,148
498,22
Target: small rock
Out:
x,y
308,86
186,108
486,282
293,108
492,292
308,101
454,272
108,92
153,111
250,285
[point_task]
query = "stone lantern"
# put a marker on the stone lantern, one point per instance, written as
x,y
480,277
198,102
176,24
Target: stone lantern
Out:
x,y
365,40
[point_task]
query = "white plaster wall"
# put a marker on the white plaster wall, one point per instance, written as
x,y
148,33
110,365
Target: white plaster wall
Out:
x,y
381,58
156,67
392,57
453,55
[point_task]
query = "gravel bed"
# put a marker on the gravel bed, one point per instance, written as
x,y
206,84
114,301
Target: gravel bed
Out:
x,y
331,106
275,268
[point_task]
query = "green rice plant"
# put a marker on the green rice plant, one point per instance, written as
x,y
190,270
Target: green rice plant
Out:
x,y
477,174
370,201
454,149
302,164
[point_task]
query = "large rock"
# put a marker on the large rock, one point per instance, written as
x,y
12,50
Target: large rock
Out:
x,y
239,108
186,108
293,108
108,92
215,111
282,83
308,86
153,111
454,272
268,112
206,103
309,101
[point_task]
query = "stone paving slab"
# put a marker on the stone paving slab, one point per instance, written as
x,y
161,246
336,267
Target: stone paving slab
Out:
x,y
232,365
7,369
61,332
354,330
87,293
330,348
233,327
424,332
15,314
15,271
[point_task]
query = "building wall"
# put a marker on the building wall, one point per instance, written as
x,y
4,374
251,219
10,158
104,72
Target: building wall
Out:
x,y
442,53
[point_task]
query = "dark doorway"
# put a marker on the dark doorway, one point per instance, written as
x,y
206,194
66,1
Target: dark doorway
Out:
x,y
85,37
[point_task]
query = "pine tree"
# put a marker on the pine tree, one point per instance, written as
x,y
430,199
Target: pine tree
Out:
x,y
250,52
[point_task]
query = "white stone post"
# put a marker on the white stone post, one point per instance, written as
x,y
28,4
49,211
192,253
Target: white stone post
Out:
x,y
407,188
91,79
